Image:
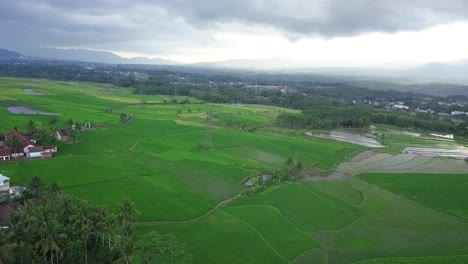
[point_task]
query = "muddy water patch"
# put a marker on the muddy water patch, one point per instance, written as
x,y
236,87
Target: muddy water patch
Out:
x,y
21,110
362,140
362,156
334,176
459,153
404,163
32,91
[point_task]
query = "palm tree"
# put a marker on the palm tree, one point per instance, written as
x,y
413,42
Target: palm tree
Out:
x,y
125,243
83,224
5,247
126,211
50,243
109,226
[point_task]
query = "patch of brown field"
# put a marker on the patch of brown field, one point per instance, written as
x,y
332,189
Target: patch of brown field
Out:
x,y
188,115
187,123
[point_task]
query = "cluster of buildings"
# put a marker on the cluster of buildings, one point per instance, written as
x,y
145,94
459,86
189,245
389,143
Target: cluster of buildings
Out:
x,y
25,147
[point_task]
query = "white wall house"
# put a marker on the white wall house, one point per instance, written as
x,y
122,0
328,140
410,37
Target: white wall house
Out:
x,y
34,152
5,154
4,183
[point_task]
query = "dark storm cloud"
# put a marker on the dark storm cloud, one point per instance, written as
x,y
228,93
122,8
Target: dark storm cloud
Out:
x,y
325,17
164,25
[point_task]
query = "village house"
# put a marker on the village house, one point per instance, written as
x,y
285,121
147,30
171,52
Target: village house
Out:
x,y
23,143
62,135
34,152
25,147
5,153
4,183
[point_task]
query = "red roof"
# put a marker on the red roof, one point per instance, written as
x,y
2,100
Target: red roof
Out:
x,y
23,141
46,154
5,152
50,147
6,210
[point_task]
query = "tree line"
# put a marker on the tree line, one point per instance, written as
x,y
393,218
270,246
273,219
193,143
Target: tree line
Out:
x,y
328,118
53,227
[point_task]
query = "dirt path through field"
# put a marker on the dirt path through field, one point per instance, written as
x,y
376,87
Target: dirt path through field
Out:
x,y
192,220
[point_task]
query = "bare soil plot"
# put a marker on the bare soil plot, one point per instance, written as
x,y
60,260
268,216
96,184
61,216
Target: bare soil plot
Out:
x,y
362,140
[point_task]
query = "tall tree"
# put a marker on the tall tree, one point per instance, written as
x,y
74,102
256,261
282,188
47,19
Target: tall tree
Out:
x,y
83,225
30,127
12,143
45,136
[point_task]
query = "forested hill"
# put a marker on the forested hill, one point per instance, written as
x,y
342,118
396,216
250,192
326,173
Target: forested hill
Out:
x,y
8,55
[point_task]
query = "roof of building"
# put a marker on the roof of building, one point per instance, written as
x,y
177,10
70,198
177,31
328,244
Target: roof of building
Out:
x,y
63,132
46,154
23,141
36,149
50,147
6,210
5,152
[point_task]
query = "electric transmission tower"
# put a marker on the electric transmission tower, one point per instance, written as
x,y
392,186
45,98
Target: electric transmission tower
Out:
x,y
208,123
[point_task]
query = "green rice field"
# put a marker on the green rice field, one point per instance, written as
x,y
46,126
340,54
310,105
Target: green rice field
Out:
x,y
391,208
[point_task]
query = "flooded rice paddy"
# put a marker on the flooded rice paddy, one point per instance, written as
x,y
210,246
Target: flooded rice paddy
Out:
x,y
362,140
21,110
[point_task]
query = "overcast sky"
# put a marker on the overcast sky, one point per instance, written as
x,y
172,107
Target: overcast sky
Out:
x,y
313,32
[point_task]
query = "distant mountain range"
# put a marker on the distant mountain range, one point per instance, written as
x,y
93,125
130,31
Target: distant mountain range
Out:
x,y
83,55
456,71
9,55
441,79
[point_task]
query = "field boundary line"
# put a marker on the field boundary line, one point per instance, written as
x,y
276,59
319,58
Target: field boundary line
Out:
x,y
398,196
324,254
260,235
134,145
329,202
439,256
109,180
192,220
335,197
283,215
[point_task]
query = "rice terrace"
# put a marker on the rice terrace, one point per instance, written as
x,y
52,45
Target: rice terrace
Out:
x,y
236,188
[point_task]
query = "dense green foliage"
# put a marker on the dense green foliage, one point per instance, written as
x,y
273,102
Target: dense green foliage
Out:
x,y
328,118
53,227
156,248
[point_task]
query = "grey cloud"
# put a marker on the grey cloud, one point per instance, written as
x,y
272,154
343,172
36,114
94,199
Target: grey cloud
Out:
x,y
325,17
163,26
